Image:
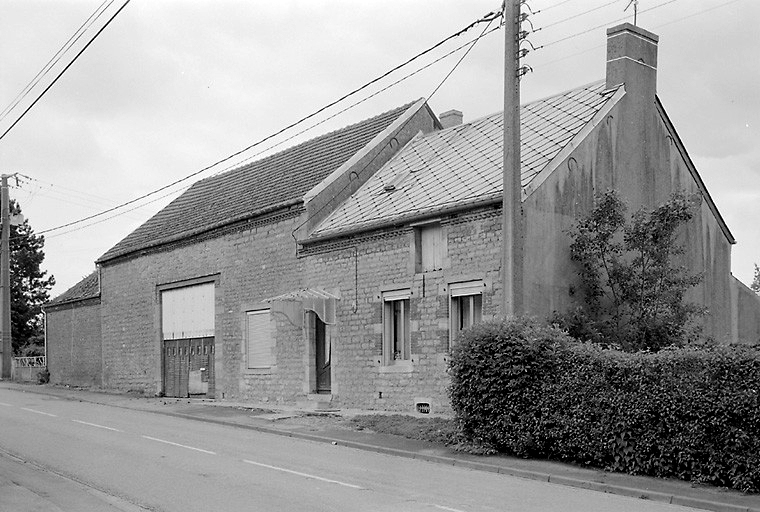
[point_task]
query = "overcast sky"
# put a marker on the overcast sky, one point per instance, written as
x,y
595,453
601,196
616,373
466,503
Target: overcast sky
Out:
x,y
171,87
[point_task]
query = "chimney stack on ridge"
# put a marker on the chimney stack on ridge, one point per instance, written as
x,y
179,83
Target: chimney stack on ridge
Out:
x,y
632,59
450,118
632,63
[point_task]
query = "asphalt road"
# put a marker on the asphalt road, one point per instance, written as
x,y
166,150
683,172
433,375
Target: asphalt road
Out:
x,y
131,459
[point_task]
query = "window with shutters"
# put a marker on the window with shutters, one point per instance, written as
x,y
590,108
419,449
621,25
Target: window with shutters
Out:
x,y
429,248
396,346
260,345
466,306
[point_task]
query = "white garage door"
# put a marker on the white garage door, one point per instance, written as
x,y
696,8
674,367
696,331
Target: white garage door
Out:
x,y
188,312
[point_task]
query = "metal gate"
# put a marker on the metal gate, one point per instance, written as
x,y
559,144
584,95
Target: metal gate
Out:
x,y
189,367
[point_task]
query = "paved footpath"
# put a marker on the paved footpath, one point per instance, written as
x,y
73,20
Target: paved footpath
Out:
x,y
329,428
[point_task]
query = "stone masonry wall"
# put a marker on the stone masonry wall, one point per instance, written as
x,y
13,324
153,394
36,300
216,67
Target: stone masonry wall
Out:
x,y
73,343
247,264
363,267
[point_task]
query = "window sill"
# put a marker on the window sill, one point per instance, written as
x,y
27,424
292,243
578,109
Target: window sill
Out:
x,y
261,371
397,367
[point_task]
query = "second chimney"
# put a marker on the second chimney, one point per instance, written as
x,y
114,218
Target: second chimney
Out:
x,y
450,118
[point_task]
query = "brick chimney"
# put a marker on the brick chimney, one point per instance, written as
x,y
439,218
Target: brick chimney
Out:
x,y
450,118
632,62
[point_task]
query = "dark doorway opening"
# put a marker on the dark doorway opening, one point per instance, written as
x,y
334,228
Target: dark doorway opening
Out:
x,y
323,357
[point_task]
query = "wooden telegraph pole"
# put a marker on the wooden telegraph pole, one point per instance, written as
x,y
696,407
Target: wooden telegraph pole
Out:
x,y
512,228
5,281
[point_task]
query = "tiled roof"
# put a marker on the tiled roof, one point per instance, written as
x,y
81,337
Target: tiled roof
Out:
x,y
87,288
463,164
247,190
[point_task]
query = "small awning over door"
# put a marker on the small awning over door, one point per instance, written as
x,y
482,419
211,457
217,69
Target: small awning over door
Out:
x,y
294,303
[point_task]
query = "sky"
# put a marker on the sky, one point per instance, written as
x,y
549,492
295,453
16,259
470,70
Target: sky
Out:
x,y
171,87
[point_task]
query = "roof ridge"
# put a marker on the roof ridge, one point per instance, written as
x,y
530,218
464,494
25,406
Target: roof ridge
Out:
x,y
312,140
241,192
587,86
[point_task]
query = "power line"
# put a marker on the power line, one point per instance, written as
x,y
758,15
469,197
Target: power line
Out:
x,y
64,69
486,18
677,20
427,99
99,221
552,6
353,105
56,57
601,26
363,100
559,22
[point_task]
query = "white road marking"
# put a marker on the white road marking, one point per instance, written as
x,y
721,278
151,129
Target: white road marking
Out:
x,y
7,405
180,445
39,412
447,508
96,425
306,475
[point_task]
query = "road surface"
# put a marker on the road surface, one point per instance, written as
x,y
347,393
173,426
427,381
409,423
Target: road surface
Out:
x,y
134,460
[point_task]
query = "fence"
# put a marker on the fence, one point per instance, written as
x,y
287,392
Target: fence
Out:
x,y
26,368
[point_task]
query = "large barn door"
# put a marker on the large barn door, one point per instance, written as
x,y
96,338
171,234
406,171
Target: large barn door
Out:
x,y
187,325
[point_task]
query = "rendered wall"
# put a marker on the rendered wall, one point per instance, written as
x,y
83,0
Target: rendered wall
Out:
x,y
74,343
594,167
746,307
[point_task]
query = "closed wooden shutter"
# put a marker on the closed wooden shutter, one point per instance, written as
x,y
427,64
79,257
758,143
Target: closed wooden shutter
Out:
x,y
432,248
260,343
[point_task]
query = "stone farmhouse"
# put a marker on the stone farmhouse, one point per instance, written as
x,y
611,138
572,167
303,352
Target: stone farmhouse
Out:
x,y
341,270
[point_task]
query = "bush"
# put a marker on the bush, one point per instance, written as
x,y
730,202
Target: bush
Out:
x,y
496,372
633,285
689,413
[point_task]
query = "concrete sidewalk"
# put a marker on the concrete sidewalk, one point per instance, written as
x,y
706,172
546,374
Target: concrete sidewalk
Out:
x,y
332,428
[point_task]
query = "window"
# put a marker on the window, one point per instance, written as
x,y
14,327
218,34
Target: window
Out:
x,y
396,326
429,248
259,340
466,306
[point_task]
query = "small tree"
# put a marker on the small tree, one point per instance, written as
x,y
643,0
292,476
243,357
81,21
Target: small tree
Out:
x,y
29,286
756,281
634,292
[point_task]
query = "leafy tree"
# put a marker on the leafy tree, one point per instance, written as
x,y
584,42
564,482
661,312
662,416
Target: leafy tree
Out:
x,y
634,291
30,287
756,281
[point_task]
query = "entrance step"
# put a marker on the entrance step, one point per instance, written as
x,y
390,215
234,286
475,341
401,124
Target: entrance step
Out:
x,y
316,402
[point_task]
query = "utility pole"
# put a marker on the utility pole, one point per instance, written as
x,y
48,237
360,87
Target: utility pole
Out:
x,y
512,228
5,280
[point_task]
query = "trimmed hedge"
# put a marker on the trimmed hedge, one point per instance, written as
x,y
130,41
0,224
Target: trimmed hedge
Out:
x,y
531,390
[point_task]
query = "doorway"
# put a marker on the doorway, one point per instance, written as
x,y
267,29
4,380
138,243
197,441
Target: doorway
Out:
x,y
323,356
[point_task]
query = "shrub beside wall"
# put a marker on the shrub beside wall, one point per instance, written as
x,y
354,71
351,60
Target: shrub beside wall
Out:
x,y
532,391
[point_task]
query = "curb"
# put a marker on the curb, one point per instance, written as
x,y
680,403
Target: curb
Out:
x,y
672,499
633,492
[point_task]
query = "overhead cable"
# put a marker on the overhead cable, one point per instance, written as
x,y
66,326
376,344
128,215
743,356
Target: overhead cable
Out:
x,y
56,58
64,69
602,26
486,18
